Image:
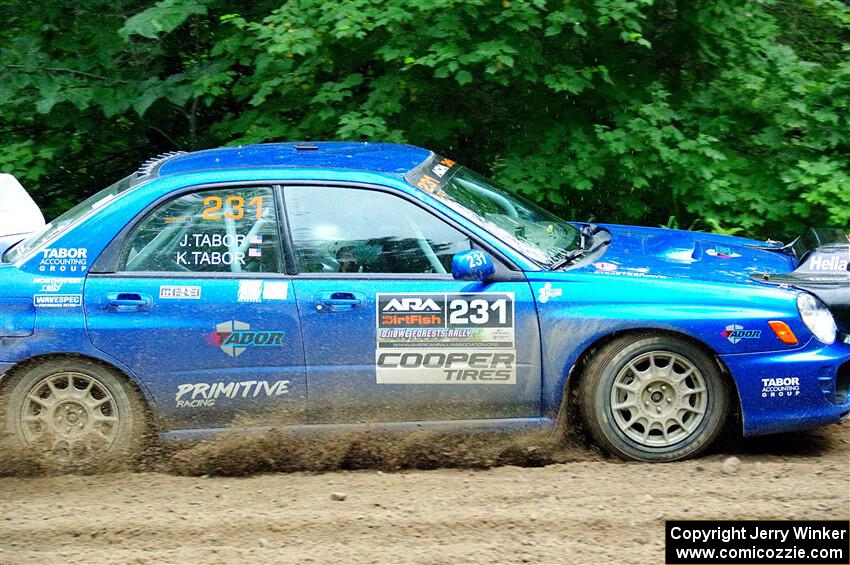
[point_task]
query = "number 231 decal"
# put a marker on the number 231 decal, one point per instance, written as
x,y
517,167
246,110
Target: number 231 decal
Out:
x,y
235,207
478,312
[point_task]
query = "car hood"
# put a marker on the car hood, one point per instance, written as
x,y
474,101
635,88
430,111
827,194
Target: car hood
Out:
x,y
658,252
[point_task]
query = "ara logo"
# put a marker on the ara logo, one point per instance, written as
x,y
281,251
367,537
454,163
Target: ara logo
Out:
x,y
412,304
234,337
735,333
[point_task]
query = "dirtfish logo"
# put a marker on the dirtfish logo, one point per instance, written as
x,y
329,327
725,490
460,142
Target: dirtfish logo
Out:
x,y
234,337
735,333
546,292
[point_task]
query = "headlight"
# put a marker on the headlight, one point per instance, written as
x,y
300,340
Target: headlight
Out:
x,y
817,317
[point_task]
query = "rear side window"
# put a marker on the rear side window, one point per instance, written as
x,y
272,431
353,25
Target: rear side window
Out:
x,y
219,231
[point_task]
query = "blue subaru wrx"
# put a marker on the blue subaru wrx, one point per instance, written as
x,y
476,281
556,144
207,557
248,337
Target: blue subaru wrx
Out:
x,y
309,284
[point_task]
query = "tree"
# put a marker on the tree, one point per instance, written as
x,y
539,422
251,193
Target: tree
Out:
x,y
724,114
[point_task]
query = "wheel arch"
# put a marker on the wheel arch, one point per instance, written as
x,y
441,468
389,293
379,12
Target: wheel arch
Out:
x,y
568,414
134,382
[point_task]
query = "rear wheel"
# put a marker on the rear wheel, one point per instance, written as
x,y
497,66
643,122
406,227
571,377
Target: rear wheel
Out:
x,y
73,412
653,398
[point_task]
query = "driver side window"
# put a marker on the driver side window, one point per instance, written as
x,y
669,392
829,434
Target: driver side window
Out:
x,y
229,230
355,230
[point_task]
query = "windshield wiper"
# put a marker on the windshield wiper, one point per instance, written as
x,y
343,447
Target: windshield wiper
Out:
x,y
586,234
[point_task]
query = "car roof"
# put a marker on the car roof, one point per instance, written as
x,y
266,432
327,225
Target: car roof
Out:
x,y
378,157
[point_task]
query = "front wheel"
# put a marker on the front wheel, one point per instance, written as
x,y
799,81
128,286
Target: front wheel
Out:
x,y
72,413
653,398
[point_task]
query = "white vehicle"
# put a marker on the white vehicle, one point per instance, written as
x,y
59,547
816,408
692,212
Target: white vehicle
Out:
x,y
19,215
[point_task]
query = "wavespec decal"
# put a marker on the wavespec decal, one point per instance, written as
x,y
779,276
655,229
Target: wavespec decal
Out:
x,y
58,300
235,337
546,292
735,333
63,259
780,387
186,292
197,395
257,291
54,284
454,338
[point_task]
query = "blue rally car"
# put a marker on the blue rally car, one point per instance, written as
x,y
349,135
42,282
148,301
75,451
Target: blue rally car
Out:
x,y
362,283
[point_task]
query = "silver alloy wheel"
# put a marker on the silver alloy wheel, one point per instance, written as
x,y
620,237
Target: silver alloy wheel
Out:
x,y
659,399
71,414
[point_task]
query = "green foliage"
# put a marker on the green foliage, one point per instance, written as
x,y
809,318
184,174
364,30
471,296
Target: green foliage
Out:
x,y
729,115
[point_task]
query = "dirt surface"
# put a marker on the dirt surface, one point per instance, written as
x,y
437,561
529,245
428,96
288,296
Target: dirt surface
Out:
x,y
583,509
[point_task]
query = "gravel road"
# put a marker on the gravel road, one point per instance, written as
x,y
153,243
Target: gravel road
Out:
x,y
586,510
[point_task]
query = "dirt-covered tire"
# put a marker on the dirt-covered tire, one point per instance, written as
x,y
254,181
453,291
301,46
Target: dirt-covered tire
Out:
x,y
72,413
653,398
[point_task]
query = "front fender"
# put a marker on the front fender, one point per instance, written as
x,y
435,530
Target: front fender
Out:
x,y
578,311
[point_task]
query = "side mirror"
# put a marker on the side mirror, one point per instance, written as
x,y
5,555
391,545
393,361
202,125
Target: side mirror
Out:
x,y
472,265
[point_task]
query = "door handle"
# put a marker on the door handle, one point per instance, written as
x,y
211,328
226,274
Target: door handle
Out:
x,y
128,301
336,301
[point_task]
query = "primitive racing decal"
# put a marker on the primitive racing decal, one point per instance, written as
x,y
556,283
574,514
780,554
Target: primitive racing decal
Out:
x,y
442,338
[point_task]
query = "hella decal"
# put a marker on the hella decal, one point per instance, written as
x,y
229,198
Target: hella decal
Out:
x,y
827,263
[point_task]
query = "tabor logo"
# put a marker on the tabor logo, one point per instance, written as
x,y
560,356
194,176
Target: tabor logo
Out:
x,y
783,387
233,337
735,333
546,292
63,259
413,304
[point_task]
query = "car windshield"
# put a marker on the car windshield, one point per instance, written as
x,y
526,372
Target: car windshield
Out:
x,y
528,228
68,219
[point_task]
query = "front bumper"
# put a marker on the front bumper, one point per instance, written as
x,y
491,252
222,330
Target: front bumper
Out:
x,y
788,391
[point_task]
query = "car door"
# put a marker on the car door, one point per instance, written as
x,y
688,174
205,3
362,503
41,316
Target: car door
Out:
x,y
200,310
389,335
